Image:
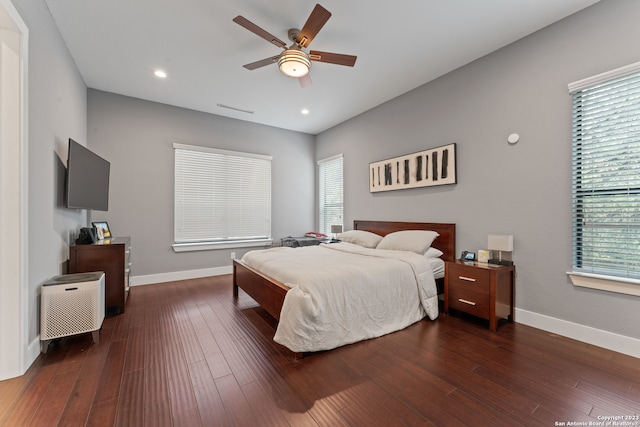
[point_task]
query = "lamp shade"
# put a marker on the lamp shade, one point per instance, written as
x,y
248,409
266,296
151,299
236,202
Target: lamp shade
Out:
x,y
335,229
294,63
500,242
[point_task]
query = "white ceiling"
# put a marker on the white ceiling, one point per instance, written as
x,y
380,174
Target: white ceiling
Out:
x,y
117,44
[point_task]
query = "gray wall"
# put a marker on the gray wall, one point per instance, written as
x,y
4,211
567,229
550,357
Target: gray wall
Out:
x,y
522,190
56,112
136,137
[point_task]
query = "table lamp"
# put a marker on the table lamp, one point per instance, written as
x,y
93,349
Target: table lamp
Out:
x,y
500,243
335,230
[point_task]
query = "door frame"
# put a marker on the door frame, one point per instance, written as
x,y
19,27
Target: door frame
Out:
x,y
14,312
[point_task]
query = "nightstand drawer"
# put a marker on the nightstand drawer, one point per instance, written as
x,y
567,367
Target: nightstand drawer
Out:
x,y
473,279
470,302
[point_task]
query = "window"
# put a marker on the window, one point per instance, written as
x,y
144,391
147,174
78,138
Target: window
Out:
x,y
221,197
330,191
606,174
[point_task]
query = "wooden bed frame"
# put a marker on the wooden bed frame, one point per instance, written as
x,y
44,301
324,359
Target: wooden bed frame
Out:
x,y
269,293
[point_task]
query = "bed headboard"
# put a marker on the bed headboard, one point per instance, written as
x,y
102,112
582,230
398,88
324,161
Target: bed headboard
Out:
x,y
446,242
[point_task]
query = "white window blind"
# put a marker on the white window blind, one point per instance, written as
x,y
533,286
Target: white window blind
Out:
x,y
221,196
330,189
606,174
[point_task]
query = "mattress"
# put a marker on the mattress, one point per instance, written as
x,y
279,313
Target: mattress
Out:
x,y
437,266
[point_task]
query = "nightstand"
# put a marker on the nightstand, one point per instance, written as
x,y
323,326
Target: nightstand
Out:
x,y
483,290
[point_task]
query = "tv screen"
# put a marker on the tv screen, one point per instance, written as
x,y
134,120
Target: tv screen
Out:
x,y
87,179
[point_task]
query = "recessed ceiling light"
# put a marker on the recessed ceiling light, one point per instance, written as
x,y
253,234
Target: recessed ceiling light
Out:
x,y
304,111
160,73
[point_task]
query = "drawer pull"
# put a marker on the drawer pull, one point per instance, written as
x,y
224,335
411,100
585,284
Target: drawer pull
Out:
x,y
468,279
466,302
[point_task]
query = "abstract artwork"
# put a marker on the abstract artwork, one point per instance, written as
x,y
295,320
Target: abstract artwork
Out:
x,y
435,166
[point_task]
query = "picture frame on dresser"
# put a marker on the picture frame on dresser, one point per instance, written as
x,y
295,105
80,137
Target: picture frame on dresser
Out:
x,y
102,229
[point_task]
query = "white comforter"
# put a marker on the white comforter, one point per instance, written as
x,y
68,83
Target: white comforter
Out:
x,y
342,293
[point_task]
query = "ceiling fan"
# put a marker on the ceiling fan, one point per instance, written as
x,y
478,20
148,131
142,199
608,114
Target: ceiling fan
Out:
x,y
293,61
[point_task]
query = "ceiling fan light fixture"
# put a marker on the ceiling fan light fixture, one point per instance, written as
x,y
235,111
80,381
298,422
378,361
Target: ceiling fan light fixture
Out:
x,y
294,63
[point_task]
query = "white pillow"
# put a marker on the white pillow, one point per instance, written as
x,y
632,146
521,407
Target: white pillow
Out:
x,y
360,237
433,253
417,241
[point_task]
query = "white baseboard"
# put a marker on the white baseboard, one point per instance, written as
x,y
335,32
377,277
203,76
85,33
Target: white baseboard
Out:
x,y
33,351
587,334
179,275
30,356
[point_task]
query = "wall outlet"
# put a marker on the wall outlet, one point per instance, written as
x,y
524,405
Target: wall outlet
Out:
x,y
233,255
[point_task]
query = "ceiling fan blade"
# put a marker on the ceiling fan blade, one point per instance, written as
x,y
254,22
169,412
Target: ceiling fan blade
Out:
x,y
244,22
333,58
319,16
305,81
262,63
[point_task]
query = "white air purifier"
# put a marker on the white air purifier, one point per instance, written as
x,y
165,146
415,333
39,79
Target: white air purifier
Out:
x,y
71,304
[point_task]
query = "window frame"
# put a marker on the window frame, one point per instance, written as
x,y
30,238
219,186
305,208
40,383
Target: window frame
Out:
x,y
326,228
185,245
594,275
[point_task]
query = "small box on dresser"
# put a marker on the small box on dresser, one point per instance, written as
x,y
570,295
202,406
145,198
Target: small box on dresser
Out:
x,y
482,290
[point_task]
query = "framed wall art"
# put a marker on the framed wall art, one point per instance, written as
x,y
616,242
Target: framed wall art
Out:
x,y
435,166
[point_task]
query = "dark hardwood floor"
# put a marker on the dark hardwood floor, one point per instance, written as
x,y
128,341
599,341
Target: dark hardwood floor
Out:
x,y
186,354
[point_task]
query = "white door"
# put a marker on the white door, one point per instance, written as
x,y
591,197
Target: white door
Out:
x,y
13,196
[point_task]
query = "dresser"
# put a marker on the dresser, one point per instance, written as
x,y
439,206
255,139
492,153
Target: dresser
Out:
x,y
482,290
113,256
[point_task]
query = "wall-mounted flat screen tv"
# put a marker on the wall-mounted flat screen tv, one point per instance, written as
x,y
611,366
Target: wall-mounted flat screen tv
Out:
x,y
87,185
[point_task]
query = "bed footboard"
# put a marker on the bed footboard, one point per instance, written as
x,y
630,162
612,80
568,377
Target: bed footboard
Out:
x,y
267,292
